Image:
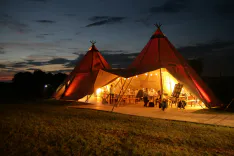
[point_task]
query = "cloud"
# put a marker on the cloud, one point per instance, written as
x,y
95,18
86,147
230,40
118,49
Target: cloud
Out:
x,y
70,15
120,60
215,48
2,66
46,21
7,21
19,65
58,61
109,20
43,36
98,18
2,50
3,2
78,33
170,6
27,44
32,64
113,51
33,69
44,1
40,36
47,34
217,56
73,48
66,39
144,20
39,58
35,63
72,63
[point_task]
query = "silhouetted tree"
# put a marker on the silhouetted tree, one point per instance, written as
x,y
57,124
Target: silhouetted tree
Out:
x,y
37,84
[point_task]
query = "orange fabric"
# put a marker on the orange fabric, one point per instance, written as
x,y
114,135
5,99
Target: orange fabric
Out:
x,y
92,60
81,86
202,92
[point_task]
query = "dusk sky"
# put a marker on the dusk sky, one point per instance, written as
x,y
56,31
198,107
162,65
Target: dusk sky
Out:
x,y
53,34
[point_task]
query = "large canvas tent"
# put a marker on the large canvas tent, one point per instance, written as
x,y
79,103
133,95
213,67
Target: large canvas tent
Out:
x,y
80,82
160,65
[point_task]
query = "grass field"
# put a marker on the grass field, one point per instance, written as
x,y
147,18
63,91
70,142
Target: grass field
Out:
x,y
52,129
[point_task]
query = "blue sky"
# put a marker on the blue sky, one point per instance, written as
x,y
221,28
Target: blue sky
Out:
x,y
50,34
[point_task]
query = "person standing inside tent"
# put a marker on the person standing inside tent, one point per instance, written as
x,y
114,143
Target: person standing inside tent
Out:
x,y
164,104
111,94
135,93
145,97
158,99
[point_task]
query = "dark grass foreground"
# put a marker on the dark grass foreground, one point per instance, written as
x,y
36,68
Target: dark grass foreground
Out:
x,y
51,129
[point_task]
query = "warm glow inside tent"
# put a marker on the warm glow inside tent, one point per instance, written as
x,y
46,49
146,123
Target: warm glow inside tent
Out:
x,y
126,89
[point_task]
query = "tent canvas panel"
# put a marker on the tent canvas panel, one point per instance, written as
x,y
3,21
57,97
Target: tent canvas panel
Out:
x,y
60,91
103,78
81,86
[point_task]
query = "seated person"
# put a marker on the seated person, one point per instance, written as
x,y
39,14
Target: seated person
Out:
x,y
145,97
140,94
158,99
104,100
181,104
164,104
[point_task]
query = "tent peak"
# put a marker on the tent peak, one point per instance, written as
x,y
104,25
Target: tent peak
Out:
x,y
93,48
93,42
158,33
158,25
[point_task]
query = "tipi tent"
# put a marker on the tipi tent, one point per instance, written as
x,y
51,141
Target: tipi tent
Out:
x,y
161,66
80,82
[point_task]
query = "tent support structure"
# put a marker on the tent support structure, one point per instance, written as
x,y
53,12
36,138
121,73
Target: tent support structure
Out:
x,y
120,97
161,84
229,104
88,97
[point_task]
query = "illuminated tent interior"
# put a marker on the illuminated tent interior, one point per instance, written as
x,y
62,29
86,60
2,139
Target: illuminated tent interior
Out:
x,y
127,88
80,82
158,67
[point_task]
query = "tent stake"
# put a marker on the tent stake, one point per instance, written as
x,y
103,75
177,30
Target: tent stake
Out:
x,y
88,97
119,95
161,84
229,104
